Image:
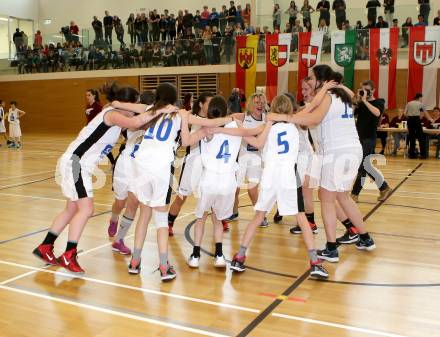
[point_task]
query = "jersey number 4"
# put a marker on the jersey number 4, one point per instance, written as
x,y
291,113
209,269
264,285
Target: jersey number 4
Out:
x,y
282,143
161,135
224,152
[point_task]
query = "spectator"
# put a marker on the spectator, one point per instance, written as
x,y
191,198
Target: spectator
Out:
x,y
97,27
308,26
144,27
326,42
157,54
395,23
214,18
223,17
172,28
197,22
293,13
346,25
384,122
249,30
234,101
119,29
388,6
228,43
207,45
381,23
425,8
415,110
421,21
368,111
306,10
437,19
239,18
163,27
187,21
246,14
179,20
216,42
204,18
38,40
131,28
25,40
295,30
397,136
405,31
155,18
74,31
169,57
108,28
372,10
323,8
288,28
339,7
232,13
276,17
18,39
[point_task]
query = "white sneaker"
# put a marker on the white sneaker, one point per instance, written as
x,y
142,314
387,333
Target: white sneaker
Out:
x,y
193,262
220,261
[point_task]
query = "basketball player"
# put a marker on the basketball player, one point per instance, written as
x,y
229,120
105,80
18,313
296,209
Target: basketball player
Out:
x,y
341,155
218,183
76,167
2,121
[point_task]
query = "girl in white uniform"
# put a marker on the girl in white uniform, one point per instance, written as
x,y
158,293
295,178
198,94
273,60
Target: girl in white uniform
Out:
x,y
14,116
192,165
76,168
218,183
2,121
279,183
341,154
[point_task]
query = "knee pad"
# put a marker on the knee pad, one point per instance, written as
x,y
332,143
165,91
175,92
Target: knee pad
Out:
x,y
160,219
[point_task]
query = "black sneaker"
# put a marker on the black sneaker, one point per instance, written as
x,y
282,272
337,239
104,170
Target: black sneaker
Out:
x,y
328,255
237,264
264,224
232,217
318,271
134,267
277,218
349,237
167,273
367,244
297,229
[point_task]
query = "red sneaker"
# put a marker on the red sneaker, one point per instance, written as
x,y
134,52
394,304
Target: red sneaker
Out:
x,y
225,226
69,261
45,253
112,228
170,230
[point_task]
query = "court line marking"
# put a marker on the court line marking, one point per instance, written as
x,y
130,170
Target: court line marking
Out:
x,y
124,286
27,175
45,198
114,312
25,183
337,325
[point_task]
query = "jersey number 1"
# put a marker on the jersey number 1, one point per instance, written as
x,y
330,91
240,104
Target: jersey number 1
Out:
x,y
224,152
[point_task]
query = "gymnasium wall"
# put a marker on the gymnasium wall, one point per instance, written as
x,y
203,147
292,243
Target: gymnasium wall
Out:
x,y
57,106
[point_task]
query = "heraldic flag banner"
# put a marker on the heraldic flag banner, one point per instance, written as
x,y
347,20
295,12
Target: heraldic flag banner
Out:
x,y
277,64
309,55
383,63
344,54
246,63
424,48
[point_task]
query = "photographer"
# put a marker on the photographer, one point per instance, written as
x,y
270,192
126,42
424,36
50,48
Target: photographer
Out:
x,y
368,111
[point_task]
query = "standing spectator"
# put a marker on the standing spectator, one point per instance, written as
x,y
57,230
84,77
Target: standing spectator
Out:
x,y
405,29
216,42
18,39
421,21
381,23
295,30
388,6
204,18
163,27
214,18
146,28
119,29
197,24
207,44
180,22
232,13
97,27
228,43
187,22
306,10
131,29
326,42
239,18
368,111
384,122
339,7
138,28
425,8
93,105
276,17
437,19
234,101
372,10
155,18
293,13
415,111
74,31
323,8
223,18
172,27
38,40
398,136
108,28
246,14
25,40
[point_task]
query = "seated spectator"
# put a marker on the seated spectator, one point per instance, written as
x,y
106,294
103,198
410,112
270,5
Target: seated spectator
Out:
x,y
248,30
421,21
398,136
395,23
288,28
157,55
436,21
134,57
295,30
308,26
147,54
197,53
169,57
346,25
381,23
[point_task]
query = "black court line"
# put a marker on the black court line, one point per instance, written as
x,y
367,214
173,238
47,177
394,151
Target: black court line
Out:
x,y
40,230
25,183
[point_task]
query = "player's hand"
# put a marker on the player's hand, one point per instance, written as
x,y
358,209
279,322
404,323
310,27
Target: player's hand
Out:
x,y
330,85
184,113
273,117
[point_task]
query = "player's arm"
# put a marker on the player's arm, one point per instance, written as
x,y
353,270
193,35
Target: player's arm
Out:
x,y
187,138
114,117
21,113
134,107
319,97
239,132
259,141
215,122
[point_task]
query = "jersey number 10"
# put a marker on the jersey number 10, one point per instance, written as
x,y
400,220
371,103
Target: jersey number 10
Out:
x,y
160,134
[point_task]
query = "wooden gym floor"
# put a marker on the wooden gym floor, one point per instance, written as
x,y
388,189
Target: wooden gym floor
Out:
x,y
392,291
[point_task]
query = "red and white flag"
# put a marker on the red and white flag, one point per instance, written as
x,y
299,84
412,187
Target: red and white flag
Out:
x,y
424,49
277,64
383,63
309,55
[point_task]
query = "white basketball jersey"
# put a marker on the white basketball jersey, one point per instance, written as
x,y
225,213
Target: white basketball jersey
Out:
x,y
134,138
304,142
157,148
195,148
13,116
337,130
282,145
221,152
95,141
250,122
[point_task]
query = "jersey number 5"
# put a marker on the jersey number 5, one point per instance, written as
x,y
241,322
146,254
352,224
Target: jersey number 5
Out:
x,y
224,152
283,143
